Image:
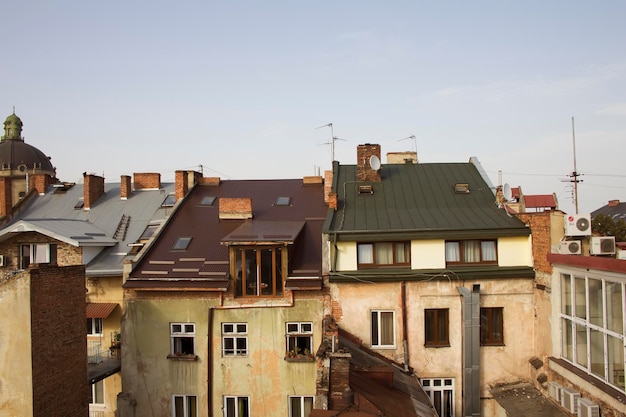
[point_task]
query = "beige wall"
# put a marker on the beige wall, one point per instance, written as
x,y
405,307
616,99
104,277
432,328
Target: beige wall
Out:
x,y
16,390
515,251
263,375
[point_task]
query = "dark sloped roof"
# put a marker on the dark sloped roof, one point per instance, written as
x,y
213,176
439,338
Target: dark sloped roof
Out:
x,y
14,153
617,210
206,258
420,200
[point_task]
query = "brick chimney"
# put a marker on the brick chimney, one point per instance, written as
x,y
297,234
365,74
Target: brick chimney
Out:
x,y
6,199
39,182
185,180
339,393
235,208
147,180
93,189
613,203
364,153
125,187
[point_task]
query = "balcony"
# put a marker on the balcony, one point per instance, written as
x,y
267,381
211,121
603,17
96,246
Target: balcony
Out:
x,y
102,363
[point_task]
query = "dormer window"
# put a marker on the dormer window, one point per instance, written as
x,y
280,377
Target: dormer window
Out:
x,y
471,252
384,254
258,271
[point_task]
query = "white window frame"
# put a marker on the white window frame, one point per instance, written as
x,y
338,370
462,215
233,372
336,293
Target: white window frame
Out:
x,y
236,412
578,324
186,412
93,397
41,250
187,330
93,327
432,386
296,330
376,315
302,399
238,333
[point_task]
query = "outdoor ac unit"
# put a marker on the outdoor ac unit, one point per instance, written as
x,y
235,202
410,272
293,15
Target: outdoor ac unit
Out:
x,y
569,399
602,245
554,389
587,408
571,247
577,224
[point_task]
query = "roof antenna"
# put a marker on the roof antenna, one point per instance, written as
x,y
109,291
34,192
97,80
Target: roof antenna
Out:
x,y
412,137
333,138
575,174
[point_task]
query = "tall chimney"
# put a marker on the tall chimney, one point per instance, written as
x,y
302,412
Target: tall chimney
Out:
x,y
93,189
6,199
185,180
147,180
40,182
125,187
364,154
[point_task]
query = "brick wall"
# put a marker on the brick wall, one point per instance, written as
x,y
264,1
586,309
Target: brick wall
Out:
x,y
40,182
125,187
364,170
66,253
6,200
147,180
235,208
60,384
339,381
94,188
540,227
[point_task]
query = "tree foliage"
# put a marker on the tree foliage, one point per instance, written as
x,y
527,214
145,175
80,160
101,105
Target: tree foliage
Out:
x,y
606,225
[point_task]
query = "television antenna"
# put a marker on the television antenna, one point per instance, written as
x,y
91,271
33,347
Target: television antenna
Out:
x,y
575,174
333,138
412,137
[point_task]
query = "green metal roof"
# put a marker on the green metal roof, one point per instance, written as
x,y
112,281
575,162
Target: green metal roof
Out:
x,y
418,201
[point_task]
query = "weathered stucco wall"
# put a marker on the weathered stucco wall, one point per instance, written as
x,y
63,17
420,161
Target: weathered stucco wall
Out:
x,y
16,389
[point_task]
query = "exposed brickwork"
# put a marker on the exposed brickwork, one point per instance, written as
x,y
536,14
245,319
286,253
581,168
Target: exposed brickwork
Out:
x,y
332,201
60,386
313,180
66,254
125,187
364,170
94,188
209,180
40,182
181,184
6,200
235,208
339,381
540,227
328,184
147,180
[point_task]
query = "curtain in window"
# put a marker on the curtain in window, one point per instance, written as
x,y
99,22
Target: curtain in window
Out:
x,y
488,249
384,253
401,253
386,328
442,325
366,253
40,254
471,251
452,252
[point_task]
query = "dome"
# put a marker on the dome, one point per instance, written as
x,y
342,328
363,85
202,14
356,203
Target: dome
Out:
x,y
16,155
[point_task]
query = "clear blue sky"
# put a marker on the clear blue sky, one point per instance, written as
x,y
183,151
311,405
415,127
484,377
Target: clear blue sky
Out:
x,y
240,87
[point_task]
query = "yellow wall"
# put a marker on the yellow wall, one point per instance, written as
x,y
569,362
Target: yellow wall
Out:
x,y
515,251
428,254
15,347
346,256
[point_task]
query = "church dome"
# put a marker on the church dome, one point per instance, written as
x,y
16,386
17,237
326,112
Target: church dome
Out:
x,y
18,156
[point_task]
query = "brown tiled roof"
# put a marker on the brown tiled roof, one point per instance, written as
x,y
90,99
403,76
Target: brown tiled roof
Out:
x,y
100,310
539,200
205,262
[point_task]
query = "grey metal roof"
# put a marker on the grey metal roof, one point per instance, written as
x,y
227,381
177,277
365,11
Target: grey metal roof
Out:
x,y
54,214
419,200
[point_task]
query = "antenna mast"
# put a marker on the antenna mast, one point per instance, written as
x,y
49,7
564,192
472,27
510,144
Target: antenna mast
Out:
x,y
333,138
575,174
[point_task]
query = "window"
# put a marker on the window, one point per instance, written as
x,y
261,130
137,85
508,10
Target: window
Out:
x,y
491,326
182,337
436,327
181,243
149,231
259,271
96,393
383,328
236,406
184,406
300,406
471,251
94,326
37,253
169,201
592,326
299,339
441,393
382,254
207,200
282,201
234,339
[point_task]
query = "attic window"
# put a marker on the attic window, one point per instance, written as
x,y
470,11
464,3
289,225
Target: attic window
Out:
x,y
79,205
282,201
366,189
149,231
207,200
169,201
461,188
181,243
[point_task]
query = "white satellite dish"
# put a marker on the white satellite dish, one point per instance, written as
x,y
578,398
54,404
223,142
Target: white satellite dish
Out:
x,y
374,162
506,192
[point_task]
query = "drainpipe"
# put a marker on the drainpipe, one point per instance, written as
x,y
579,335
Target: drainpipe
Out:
x,y
471,350
210,364
405,343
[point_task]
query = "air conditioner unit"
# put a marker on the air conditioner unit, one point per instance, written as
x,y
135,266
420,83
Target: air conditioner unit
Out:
x,y
570,247
602,245
577,225
569,399
554,390
587,408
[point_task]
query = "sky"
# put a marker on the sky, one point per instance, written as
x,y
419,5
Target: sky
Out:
x,y
535,90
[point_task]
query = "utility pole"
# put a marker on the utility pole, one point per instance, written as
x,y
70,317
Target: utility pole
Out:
x,y
575,174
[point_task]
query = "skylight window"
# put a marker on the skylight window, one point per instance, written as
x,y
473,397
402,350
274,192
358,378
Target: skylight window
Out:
x,y
461,188
169,201
207,200
79,205
181,243
283,201
149,231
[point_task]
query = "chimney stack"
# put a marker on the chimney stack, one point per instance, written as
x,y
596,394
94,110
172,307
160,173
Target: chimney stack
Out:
x,y
364,154
125,187
6,199
93,189
235,208
186,180
147,180
40,182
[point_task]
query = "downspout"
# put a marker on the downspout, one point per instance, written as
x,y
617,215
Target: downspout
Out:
x,y
210,365
405,343
471,350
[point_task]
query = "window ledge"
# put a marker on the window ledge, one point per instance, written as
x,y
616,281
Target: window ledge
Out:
x,y
492,344
301,358
182,357
437,346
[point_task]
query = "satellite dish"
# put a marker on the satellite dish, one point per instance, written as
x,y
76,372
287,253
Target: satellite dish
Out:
x,y
506,192
374,162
